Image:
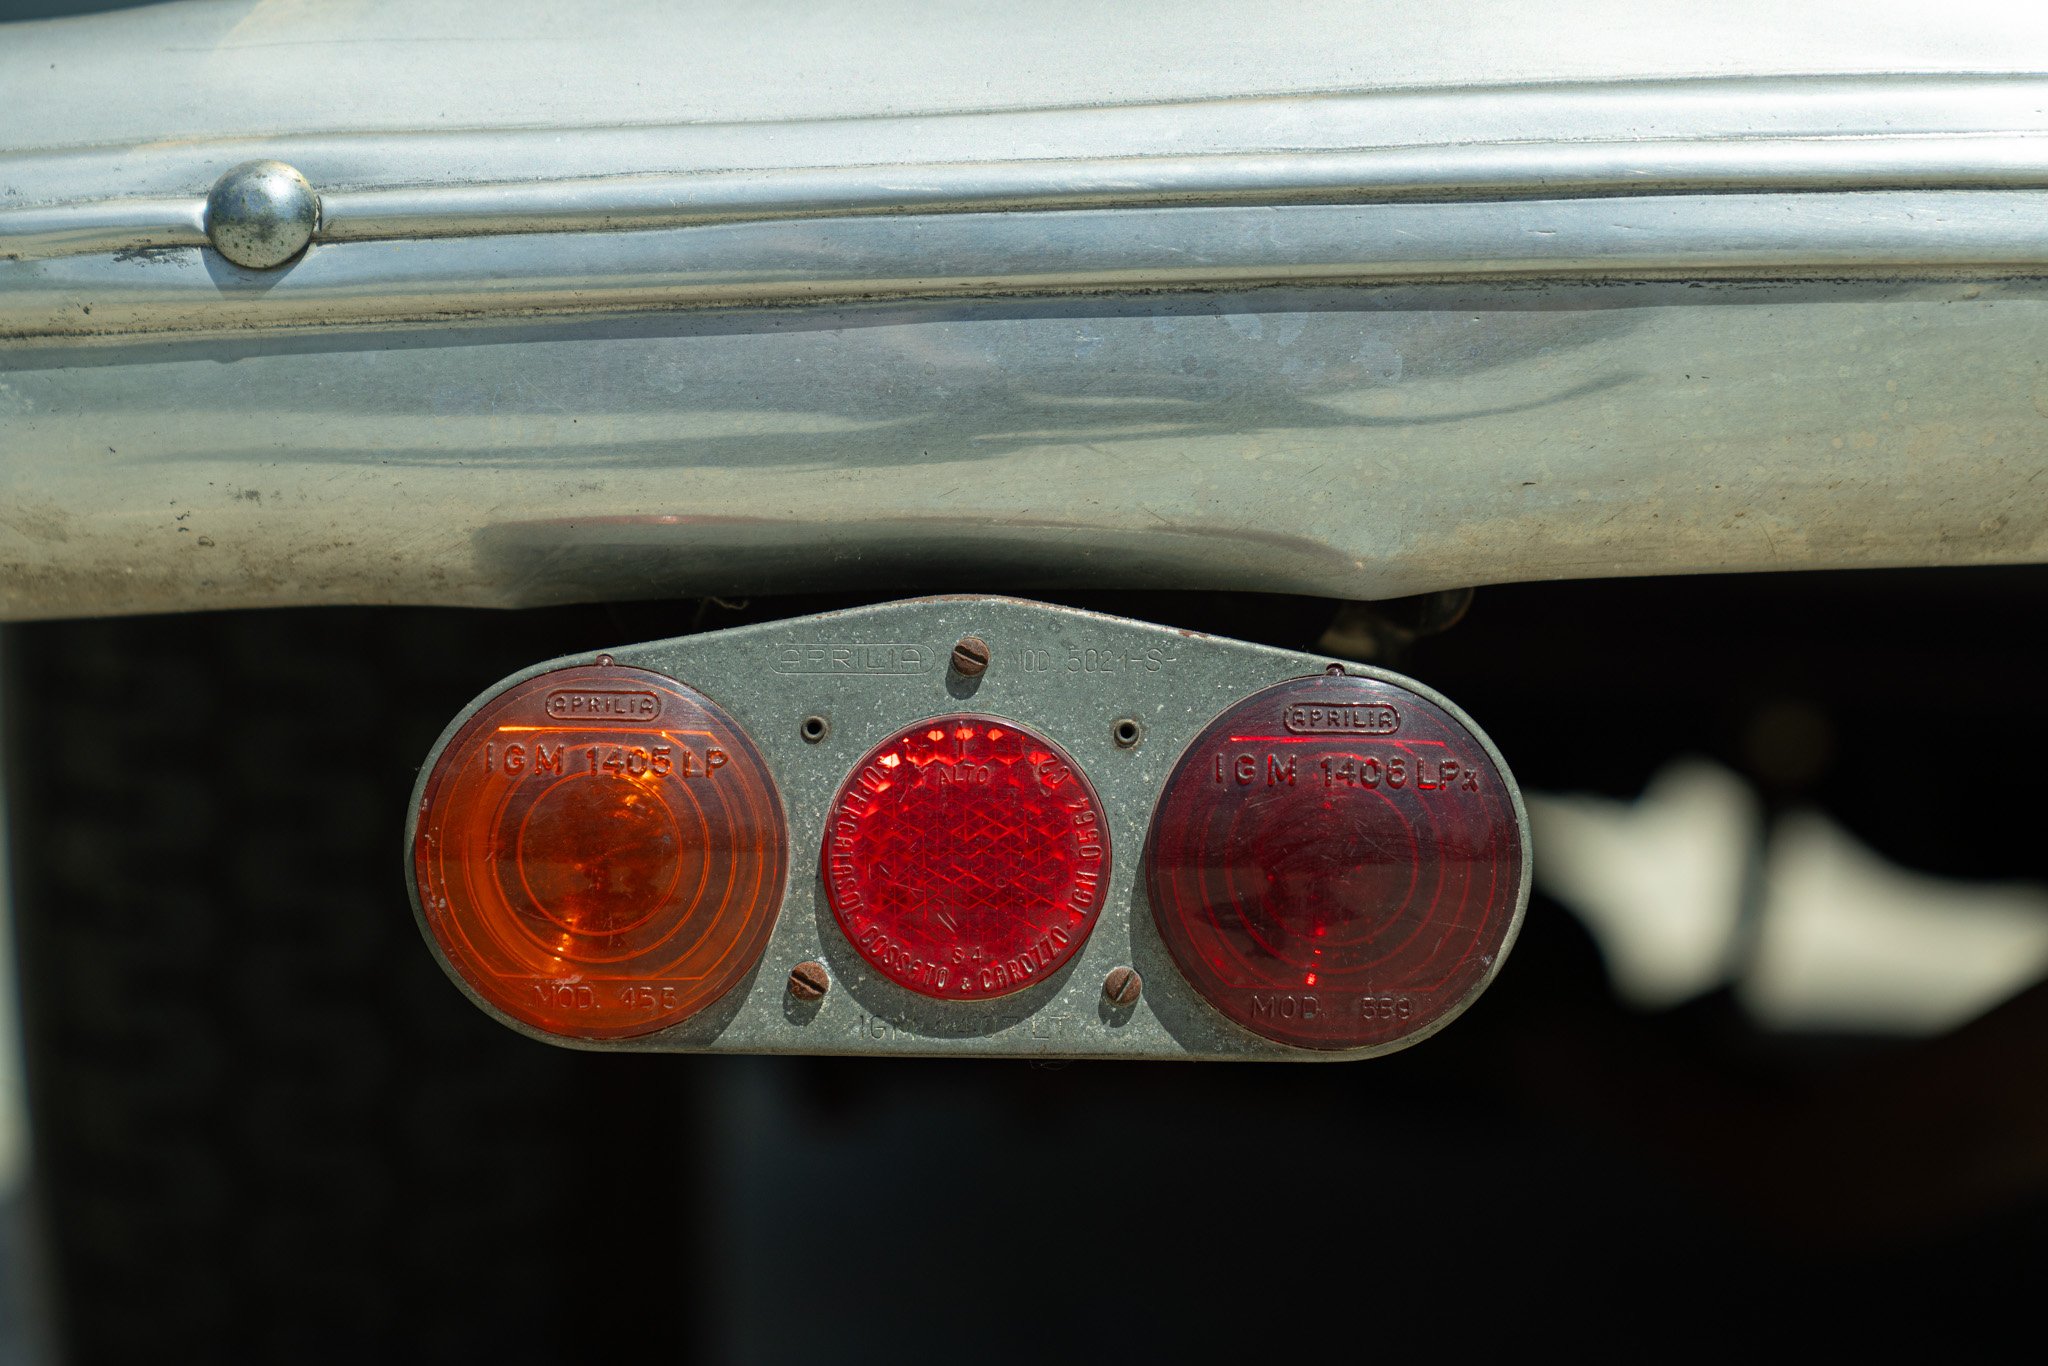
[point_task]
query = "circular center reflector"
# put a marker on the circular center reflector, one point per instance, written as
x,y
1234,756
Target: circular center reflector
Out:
x,y
966,857
1337,862
600,852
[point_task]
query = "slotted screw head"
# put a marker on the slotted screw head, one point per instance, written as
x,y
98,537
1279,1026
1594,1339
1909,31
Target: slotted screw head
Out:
x,y
808,980
970,657
1123,987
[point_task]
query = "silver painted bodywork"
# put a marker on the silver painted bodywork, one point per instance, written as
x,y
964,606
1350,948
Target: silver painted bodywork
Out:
x,y
1100,670
1347,300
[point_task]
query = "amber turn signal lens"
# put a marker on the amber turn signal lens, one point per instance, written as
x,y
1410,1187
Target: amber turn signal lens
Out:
x,y
966,857
600,852
1337,863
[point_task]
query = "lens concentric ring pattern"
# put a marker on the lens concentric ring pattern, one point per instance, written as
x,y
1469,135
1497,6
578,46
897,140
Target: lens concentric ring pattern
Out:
x,y
600,852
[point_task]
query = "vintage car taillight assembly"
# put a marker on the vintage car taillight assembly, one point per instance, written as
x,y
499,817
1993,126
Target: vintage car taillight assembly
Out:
x,y
1104,838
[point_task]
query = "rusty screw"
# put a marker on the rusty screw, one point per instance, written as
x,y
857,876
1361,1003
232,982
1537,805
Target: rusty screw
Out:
x,y
970,657
1122,987
808,980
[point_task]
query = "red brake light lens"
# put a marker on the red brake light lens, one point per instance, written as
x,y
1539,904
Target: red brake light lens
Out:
x,y
1337,862
965,858
600,852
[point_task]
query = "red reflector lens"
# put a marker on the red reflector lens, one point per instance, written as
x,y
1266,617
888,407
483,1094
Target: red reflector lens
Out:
x,y
966,857
600,852
1337,863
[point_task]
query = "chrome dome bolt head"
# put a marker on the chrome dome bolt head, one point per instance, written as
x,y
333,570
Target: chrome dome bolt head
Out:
x,y
261,214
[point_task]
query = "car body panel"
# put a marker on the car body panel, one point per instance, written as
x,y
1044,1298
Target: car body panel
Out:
x,y
1343,301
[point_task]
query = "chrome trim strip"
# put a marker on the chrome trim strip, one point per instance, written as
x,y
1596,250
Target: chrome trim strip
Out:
x,y
1521,170
107,227
1923,132
1903,234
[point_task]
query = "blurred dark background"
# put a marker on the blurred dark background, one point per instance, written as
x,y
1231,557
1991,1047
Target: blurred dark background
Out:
x,y
264,1122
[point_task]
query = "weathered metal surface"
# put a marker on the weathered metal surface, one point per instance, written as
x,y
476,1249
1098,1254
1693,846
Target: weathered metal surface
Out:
x,y
526,277
1352,442
1544,141
1322,300
206,70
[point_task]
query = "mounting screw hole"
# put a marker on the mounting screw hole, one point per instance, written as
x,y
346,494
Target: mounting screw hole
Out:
x,y
1127,733
814,729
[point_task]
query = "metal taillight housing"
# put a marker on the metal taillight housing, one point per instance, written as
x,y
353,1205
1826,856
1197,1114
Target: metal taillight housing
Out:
x,y
968,826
